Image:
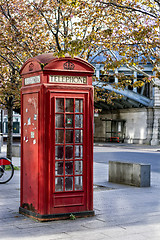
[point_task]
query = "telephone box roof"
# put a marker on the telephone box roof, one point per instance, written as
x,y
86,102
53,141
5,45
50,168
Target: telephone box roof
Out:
x,y
45,61
44,58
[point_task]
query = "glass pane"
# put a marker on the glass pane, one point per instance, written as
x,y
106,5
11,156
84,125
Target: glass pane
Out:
x,y
59,120
59,152
59,105
78,167
68,168
69,183
58,184
59,136
79,121
78,152
79,105
69,152
78,136
78,183
69,136
69,120
59,168
69,105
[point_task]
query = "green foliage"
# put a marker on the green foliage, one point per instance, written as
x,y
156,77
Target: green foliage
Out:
x,y
79,28
72,217
8,167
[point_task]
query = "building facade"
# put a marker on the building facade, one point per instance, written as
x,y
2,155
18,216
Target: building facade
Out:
x,y
135,118
16,125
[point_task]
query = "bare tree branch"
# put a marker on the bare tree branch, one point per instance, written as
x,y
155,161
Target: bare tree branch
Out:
x,y
9,62
157,1
15,55
12,23
55,34
111,3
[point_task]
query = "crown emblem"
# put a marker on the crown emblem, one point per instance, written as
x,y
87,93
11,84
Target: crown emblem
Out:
x,y
68,65
31,66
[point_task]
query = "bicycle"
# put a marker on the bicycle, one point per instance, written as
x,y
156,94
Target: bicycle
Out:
x,y
6,170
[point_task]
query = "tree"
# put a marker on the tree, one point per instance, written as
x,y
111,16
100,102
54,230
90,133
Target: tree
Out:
x,y
124,32
9,96
135,37
16,45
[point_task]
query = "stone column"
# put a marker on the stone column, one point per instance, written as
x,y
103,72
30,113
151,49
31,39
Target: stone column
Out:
x,y
98,68
134,80
156,117
116,72
150,112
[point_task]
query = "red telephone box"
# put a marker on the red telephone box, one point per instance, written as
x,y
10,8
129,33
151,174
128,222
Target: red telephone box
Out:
x,y
57,138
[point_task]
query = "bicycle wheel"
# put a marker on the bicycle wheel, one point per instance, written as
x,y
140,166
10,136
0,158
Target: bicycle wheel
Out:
x,y
6,173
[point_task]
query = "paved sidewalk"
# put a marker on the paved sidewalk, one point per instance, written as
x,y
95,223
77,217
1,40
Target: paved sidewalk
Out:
x,y
121,212
136,147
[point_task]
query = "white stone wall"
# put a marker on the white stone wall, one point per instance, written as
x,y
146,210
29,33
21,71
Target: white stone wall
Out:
x,y
99,130
136,126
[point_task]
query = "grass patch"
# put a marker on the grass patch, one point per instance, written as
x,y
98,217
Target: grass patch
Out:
x,y
8,167
16,168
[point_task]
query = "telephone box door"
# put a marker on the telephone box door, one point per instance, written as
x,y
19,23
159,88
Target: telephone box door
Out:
x,y
69,152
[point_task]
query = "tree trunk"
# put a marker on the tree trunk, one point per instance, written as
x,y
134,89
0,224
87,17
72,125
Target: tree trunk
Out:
x,y
1,121
10,129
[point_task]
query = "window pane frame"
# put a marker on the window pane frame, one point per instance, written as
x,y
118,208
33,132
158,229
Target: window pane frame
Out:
x,y
62,130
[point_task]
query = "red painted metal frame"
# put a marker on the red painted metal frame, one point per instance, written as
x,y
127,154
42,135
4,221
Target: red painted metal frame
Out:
x,y
82,194
37,161
4,161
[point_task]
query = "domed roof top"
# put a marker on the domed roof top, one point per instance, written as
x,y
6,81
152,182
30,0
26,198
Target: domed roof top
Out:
x,y
44,58
48,61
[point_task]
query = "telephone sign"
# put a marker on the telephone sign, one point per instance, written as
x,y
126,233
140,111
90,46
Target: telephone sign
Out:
x,y
68,79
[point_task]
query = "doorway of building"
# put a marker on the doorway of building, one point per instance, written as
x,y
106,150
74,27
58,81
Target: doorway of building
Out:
x,y
115,131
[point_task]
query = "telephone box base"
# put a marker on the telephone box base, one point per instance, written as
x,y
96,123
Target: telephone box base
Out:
x,y
53,217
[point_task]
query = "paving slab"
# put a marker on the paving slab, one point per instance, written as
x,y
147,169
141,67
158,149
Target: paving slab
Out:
x,y
121,212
